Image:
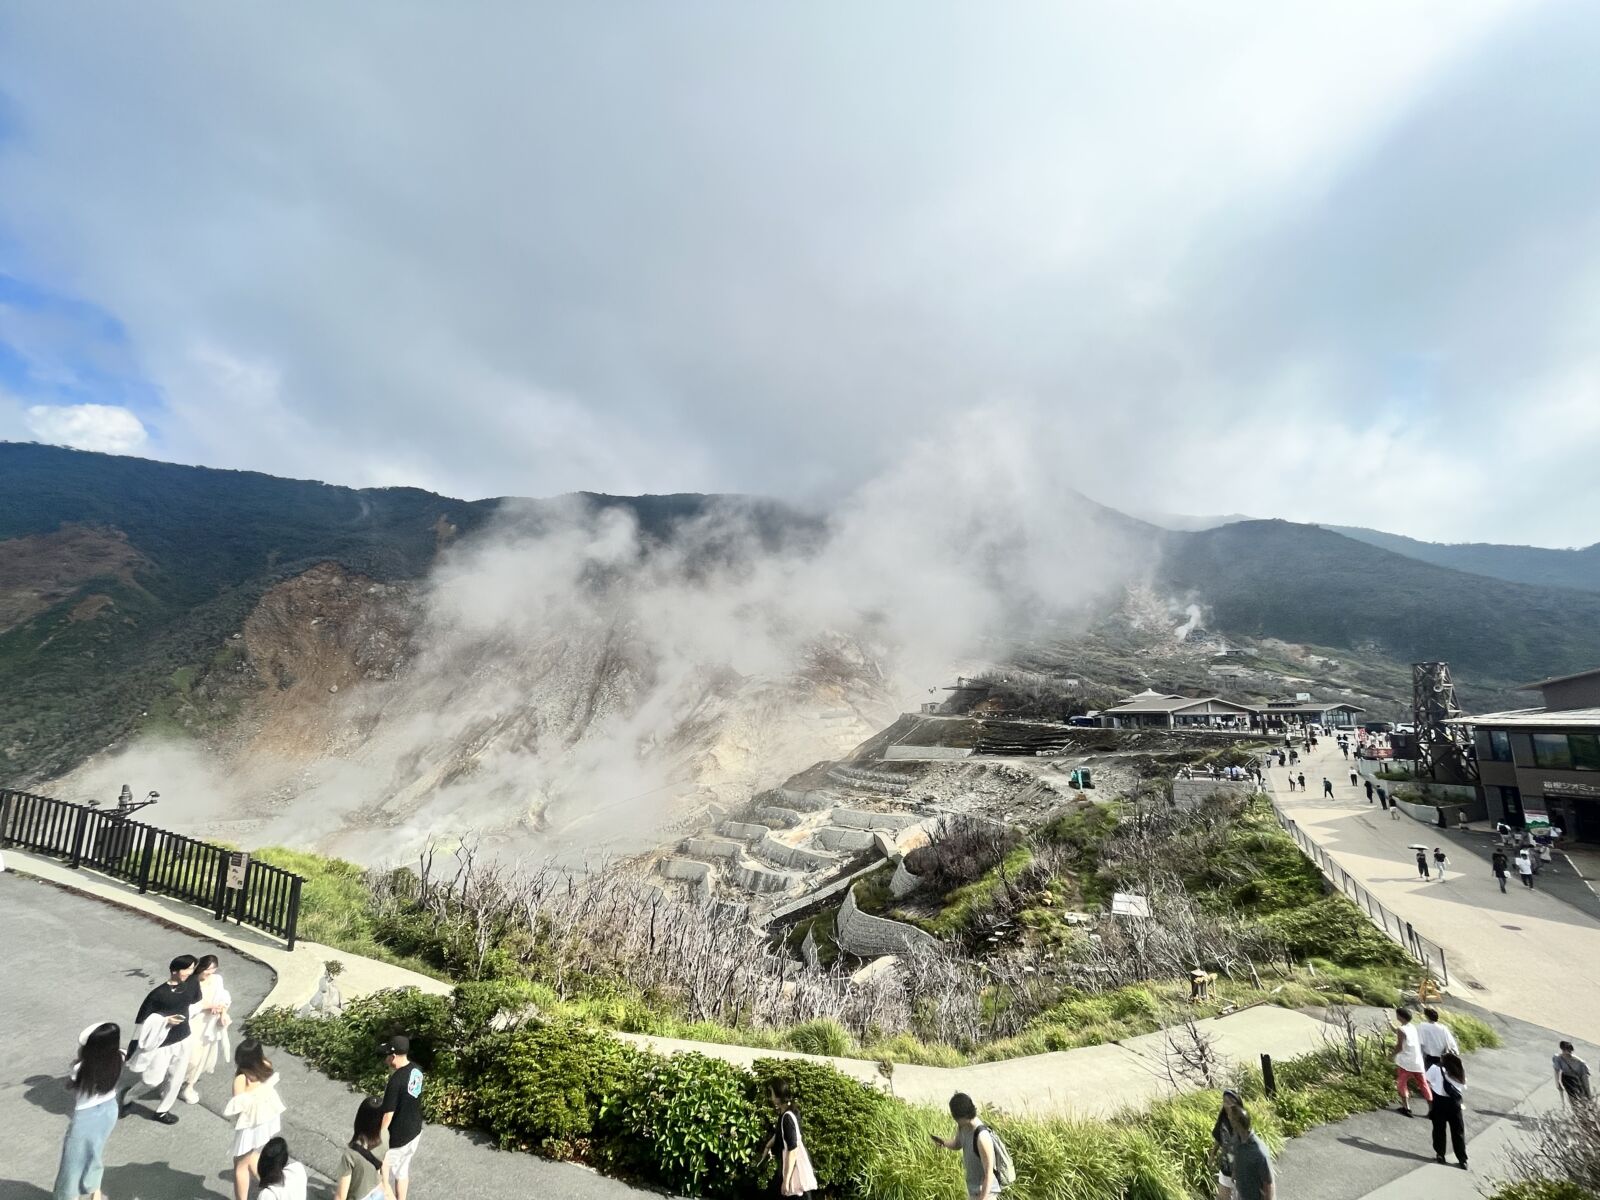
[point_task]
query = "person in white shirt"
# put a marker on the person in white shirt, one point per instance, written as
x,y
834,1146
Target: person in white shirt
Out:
x,y
94,1112
1525,868
1448,1079
1436,1039
1408,1064
280,1178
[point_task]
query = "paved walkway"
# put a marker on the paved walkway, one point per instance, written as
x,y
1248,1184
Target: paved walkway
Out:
x,y
1526,954
71,960
294,975
1384,1155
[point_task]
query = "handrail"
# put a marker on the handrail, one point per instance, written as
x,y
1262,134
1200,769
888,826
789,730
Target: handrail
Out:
x,y
1426,951
157,860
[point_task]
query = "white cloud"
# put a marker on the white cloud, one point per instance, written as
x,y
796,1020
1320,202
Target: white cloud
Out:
x,y
103,427
733,249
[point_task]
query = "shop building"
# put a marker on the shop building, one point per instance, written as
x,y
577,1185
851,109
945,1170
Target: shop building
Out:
x,y
1543,764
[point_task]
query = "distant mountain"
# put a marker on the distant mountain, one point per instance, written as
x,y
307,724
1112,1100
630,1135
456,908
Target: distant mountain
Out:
x,y
1304,583
1518,564
118,575
1187,522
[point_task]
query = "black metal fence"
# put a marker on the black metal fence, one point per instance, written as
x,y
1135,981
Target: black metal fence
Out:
x,y
1429,953
157,860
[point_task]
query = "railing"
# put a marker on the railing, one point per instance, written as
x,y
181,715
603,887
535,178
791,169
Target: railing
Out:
x,y
1429,953
157,860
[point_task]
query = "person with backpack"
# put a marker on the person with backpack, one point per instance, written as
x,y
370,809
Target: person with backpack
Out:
x,y
795,1176
1252,1161
361,1174
983,1154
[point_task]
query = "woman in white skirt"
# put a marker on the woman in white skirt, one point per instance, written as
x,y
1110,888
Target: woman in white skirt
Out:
x,y
255,1108
208,1018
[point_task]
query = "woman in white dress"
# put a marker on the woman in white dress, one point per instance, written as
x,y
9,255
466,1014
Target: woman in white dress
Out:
x,y
255,1108
208,1018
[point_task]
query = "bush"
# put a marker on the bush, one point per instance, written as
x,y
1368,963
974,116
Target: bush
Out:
x,y
837,1113
474,1005
1542,1189
687,1123
542,1086
824,1036
1335,929
347,1047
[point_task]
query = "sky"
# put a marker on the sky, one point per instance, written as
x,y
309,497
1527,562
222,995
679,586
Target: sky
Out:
x,y
1333,262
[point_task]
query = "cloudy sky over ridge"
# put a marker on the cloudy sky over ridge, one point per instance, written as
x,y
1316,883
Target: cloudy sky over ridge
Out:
x,y
1336,262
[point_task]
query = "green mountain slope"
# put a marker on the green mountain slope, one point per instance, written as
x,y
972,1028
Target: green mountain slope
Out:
x,y
206,544
1518,564
1304,583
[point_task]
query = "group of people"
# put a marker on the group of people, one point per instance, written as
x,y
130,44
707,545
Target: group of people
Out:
x,y
181,1032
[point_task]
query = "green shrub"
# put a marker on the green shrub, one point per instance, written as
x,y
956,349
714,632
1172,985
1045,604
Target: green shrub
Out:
x,y
837,1113
1335,929
542,1086
475,1004
687,1123
907,1165
823,1036
347,1047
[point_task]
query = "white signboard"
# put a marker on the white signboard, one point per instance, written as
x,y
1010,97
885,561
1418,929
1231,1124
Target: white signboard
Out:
x,y
1129,904
238,863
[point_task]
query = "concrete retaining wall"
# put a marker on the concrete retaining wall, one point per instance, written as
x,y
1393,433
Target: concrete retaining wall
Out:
x,y
742,830
756,879
871,937
786,855
854,818
925,753
1191,793
709,848
807,801
903,883
685,870
779,816
832,837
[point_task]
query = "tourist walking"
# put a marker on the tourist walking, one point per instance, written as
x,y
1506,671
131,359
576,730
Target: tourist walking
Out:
x,y
255,1108
1369,793
1525,868
163,1059
209,1021
1355,779
1291,783
1572,1074
1422,863
1436,1038
1302,778
402,1111
795,1176
1252,1163
1327,788
1448,1079
361,1174
1439,861
1408,1064
984,1157
93,1081
281,1177
1498,865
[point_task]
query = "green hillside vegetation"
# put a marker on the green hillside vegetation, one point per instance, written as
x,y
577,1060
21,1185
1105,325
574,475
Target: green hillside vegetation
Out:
x,y
212,543
1539,565
1302,583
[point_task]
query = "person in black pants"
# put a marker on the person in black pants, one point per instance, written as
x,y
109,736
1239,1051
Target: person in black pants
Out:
x,y
1498,865
1422,863
1448,1079
1369,793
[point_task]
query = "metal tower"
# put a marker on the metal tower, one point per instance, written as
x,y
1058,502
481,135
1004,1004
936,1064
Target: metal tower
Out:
x,y
1444,752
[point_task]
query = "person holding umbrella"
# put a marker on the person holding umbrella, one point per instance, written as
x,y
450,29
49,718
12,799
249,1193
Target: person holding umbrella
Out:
x,y
1422,860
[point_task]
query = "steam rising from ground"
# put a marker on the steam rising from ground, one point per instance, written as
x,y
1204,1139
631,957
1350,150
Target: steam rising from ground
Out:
x,y
577,684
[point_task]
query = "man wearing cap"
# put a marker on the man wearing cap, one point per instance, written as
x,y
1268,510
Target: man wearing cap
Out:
x,y
402,1111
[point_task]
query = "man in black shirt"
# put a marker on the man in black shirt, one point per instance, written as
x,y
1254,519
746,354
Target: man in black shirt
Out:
x,y
402,1111
161,1067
